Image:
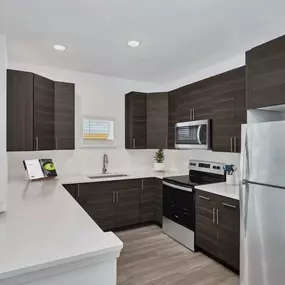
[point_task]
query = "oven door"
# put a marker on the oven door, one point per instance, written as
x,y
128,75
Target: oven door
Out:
x,y
195,134
179,205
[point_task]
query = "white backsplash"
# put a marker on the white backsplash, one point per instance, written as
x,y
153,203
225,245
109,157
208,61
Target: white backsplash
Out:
x,y
89,161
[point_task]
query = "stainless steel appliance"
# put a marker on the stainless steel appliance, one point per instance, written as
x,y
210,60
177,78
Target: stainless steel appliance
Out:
x,y
194,134
262,200
179,199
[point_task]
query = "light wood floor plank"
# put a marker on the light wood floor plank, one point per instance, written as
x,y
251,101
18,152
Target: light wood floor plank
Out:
x,y
150,257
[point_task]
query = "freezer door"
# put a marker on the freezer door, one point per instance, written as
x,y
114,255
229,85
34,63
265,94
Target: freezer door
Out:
x,y
262,235
265,151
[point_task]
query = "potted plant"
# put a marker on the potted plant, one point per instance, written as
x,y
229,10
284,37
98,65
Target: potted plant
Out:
x,y
159,160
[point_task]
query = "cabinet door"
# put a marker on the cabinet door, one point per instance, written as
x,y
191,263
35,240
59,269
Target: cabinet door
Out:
x,y
20,116
43,113
72,189
157,120
227,88
151,201
265,74
128,199
135,120
172,119
206,227
98,200
240,109
228,220
64,115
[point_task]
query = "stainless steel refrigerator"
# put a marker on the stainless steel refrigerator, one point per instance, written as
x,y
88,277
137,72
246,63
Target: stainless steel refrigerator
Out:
x,y
262,201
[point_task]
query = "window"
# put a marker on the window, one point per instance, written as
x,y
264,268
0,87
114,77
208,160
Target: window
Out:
x,y
98,129
98,132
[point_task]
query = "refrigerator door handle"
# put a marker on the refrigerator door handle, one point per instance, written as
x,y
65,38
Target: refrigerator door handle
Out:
x,y
244,186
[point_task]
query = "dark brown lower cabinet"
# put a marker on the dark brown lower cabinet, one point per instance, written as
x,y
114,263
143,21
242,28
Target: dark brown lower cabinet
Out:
x,y
218,227
151,201
119,204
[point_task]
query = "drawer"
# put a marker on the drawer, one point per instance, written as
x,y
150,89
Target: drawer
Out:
x,y
150,182
206,199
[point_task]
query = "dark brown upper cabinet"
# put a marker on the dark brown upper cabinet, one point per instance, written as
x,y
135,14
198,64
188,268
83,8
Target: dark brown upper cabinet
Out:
x,y
20,106
157,120
172,118
64,115
228,95
135,120
43,113
265,74
40,113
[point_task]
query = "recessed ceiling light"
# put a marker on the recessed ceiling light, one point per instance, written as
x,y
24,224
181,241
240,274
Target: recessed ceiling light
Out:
x,y
59,47
133,43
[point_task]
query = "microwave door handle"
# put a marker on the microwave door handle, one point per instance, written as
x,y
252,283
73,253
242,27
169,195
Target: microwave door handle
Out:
x,y
199,134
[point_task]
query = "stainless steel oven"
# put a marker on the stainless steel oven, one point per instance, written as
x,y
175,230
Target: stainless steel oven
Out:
x,y
193,134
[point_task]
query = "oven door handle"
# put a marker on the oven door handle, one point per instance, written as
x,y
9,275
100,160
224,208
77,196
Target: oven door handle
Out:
x,y
199,134
189,189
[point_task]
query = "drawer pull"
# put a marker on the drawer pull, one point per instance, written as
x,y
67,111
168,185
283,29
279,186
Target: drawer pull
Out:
x,y
218,217
229,205
204,198
214,213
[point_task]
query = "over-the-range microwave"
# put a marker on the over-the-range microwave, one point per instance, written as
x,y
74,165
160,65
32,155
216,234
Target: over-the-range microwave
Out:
x,y
193,135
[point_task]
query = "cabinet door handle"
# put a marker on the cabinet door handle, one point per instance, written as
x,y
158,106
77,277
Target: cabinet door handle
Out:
x,y
231,139
78,190
193,114
114,197
190,111
117,197
204,198
217,211
142,184
134,143
214,214
56,143
166,142
37,143
235,144
229,205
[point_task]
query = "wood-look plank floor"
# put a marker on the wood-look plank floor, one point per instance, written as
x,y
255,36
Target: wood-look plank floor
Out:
x,y
150,257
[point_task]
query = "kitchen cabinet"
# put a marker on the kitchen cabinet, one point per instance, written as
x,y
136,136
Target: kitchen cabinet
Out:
x,y
72,189
218,227
20,106
229,112
122,203
265,74
172,119
98,200
127,206
151,201
64,115
43,113
40,113
135,120
157,120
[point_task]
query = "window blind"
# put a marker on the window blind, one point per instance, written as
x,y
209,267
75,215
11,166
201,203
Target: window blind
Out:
x,y
98,129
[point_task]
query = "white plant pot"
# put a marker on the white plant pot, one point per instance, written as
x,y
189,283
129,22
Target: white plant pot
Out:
x,y
231,179
158,166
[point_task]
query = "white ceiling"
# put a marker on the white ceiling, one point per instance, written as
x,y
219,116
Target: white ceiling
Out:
x,y
178,36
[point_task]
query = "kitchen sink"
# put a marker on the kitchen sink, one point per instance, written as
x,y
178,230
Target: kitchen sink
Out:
x,y
107,176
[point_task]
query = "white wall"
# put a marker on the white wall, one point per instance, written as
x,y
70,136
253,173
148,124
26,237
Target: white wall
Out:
x,y
3,161
95,96
232,63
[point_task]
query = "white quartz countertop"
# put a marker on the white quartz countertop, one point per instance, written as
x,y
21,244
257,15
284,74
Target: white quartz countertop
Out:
x,y
44,226
223,189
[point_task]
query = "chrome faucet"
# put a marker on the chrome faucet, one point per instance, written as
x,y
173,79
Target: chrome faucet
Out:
x,y
105,163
